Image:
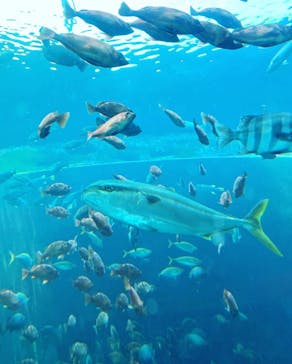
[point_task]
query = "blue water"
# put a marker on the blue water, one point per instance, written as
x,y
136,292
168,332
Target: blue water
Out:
x,y
223,83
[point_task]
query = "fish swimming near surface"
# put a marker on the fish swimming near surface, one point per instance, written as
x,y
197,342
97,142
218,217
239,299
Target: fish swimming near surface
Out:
x,y
57,53
106,22
263,35
280,57
93,51
217,35
222,16
266,135
155,32
152,208
167,19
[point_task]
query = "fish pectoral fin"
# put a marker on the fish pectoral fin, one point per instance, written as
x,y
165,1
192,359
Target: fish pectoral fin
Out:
x,y
207,236
152,199
285,136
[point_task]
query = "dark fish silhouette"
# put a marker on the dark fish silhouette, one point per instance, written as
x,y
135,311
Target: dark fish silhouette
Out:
x,y
90,49
222,16
106,22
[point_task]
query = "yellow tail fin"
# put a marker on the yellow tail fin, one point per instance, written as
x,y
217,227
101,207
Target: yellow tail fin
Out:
x,y
255,227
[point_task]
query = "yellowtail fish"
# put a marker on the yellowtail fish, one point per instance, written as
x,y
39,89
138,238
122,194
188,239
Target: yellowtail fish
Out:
x,y
157,209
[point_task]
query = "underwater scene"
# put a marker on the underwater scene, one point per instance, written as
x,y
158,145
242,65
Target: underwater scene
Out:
x,y
145,182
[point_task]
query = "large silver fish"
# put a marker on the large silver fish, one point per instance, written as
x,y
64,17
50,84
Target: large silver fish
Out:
x,y
158,209
266,134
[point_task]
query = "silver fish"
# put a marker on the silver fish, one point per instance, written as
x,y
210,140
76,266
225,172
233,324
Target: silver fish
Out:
x,y
267,134
280,57
153,208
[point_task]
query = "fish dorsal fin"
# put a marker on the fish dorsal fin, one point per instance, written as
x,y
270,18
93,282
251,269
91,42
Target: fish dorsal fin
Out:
x,y
245,120
151,198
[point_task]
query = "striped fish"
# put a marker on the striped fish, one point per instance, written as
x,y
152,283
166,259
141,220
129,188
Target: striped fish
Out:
x,y
266,134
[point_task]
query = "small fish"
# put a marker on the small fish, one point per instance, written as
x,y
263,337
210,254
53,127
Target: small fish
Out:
x,y
97,262
107,108
122,302
59,212
231,305
126,270
113,126
192,189
102,320
90,49
11,300
167,19
225,199
135,301
120,177
222,16
239,185
83,284
171,272
24,258
138,253
58,249
206,118
100,300
106,22
43,272
144,287
155,171
174,117
263,35
183,245
87,224
202,169
57,189
155,32
197,273
102,223
115,142
58,54
72,321
186,261
202,135
64,265
51,118
16,322
280,57
31,333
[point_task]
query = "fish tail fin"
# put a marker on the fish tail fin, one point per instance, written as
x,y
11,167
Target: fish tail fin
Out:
x,y
81,65
254,226
170,260
24,273
89,135
125,253
12,257
170,243
63,119
193,11
125,10
87,299
226,135
67,10
46,33
90,108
